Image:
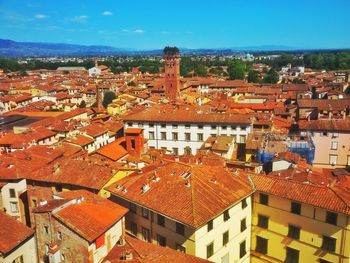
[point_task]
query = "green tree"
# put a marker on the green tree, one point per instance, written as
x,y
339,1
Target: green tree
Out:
x,y
132,83
236,70
108,97
23,73
82,104
271,77
253,76
201,71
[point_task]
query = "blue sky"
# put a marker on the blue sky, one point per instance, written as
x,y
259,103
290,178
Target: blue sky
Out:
x,y
147,24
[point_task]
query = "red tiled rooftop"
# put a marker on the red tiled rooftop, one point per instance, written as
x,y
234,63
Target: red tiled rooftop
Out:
x,y
211,190
91,218
184,115
318,196
148,253
12,233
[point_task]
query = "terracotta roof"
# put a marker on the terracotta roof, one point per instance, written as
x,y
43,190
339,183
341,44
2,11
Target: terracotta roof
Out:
x,y
12,233
327,105
91,218
325,125
94,130
318,196
145,252
113,150
83,173
192,195
80,140
185,116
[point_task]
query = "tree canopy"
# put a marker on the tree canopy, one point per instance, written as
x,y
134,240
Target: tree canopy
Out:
x,y
108,97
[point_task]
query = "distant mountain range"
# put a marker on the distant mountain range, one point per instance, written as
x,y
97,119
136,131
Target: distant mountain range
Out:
x,y
10,48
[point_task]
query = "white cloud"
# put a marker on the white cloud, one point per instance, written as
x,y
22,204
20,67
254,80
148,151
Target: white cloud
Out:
x,y
40,16
133,31
79,19
107,13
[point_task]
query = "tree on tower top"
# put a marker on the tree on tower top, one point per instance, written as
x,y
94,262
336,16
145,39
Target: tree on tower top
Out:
x,y
171,51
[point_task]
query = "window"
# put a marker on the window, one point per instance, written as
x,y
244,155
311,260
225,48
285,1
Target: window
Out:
x,y
210,249
144,213
132,208
242,138
324,134
295,208
175,137
226,215
12,193
180,248
333,159
292,255
334,145
180,228
225,238
175,126
161,241
261,245
242,249
163,125
243,224
213,127
210,225
130,124
160,220
294,232
200,137
264,199
18,259
263,221
34,203
187,126
200,126
188,151
59,235
244,203
14,207
335,135
187,136
145,234
133,228
331,218
224,127
140,125
151,125
176,151
233,127
328,243
226,258
163,135
151,135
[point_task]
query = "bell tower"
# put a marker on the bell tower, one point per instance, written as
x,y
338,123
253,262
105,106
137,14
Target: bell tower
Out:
x,y
172,72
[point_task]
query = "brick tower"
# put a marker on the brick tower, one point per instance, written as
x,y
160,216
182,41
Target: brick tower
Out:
x,y
172,72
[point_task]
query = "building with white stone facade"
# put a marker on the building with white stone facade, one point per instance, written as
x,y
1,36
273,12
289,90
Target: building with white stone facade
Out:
x,y
181,131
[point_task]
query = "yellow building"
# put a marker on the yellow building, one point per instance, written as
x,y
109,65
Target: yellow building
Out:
x,y
299,222
117,107
202,210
